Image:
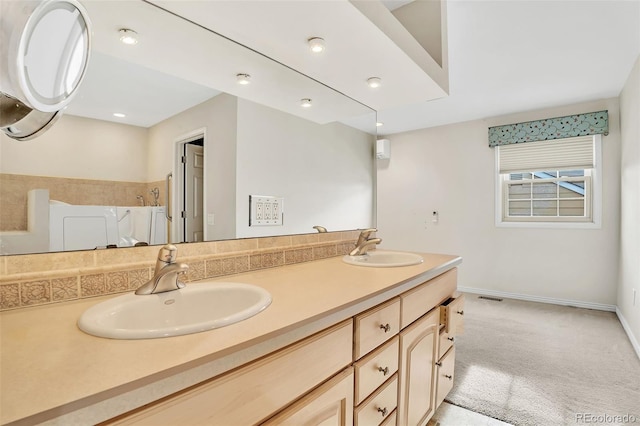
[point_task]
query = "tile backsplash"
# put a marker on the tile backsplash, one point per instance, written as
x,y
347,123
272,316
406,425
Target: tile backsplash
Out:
x,y
37,279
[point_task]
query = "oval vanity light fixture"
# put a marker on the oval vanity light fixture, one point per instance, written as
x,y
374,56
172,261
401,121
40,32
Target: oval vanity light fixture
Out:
x,y
305,103
243,79
374,82
379,124
316,44
119,115
128,36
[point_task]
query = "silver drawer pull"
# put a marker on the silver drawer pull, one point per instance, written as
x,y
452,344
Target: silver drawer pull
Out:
x,y
448,377
460,312
384,370
386,327
450,338
439,364
383,411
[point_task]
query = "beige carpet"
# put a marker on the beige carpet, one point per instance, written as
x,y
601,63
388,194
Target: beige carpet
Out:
x,y
530,363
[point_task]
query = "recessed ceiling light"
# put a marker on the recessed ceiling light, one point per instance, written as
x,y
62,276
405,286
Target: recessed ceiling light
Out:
x,y
316,44
243,79
119,115
128,36
305,103
374,82
379,124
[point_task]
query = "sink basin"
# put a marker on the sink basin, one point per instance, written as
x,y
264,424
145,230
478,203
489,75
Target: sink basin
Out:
x,y
197,307
384,259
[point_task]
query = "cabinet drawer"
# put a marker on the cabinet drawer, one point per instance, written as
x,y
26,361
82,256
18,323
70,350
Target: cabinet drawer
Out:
x,y
452,315
446,341
329,404
375,368
391,419
378,406
420,300
255,391
445,375
376,326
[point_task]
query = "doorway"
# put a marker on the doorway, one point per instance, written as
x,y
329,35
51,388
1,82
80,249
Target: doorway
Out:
x,y
191,198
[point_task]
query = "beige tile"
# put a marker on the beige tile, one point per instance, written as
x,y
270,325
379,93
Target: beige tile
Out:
x,y
323,252
3,265
45,262
274,242
35,292
241,263
196,249
92,285
138,277
231,246
125,255
266,260
196,272
344,248
214,268
116,282
298,240
9,296
329,237
298,255
64,289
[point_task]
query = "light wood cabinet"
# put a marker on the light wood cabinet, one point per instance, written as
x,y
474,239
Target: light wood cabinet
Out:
x,y
392,364
329,405
418,355
254,392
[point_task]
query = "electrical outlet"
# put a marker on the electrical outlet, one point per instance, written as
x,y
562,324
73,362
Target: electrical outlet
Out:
x,y
265,210
211,219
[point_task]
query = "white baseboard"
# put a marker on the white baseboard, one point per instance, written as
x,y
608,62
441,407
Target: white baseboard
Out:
x,y
542,299
627,329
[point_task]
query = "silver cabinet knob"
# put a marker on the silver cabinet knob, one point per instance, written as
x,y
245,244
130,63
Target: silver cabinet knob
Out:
x,y
386,327
460,312
448,376
450,338
384,370
383,411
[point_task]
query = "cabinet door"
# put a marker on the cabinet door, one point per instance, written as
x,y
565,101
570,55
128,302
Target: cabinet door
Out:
x,y
329,405
418,355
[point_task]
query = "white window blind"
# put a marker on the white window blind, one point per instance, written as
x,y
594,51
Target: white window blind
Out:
x,y
560,154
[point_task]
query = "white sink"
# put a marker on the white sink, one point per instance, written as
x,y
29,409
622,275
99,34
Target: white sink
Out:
x,y
384,259
197,307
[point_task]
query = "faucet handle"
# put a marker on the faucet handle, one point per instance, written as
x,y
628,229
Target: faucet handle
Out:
x,y
168,253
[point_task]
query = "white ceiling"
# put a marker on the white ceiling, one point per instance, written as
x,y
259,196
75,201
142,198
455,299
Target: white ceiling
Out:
x,y
504,56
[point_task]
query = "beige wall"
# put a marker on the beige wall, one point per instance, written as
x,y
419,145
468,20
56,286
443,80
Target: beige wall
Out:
x,y
629,278
217,119
80,148
451,169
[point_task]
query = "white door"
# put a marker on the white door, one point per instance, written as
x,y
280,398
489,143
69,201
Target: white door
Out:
x,y
193,193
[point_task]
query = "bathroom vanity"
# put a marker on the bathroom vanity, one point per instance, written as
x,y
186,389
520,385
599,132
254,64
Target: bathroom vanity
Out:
x,y
340,344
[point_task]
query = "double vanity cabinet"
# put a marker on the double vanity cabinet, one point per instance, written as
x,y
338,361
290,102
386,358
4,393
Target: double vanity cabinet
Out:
x,y
391,364
339,345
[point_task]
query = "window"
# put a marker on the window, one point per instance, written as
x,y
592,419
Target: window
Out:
x,y
549,183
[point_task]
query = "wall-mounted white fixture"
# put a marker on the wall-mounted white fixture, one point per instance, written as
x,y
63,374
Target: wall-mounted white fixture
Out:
x,y
128,36
119,115
305,103
374,82
44,54
383,149
316,44
243,79
379,124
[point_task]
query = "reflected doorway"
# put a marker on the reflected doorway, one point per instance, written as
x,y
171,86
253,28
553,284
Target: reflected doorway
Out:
x,y
191,198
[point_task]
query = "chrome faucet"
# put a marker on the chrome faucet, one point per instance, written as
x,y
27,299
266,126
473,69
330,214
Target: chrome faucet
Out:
x,y
364,242
320,229
167,273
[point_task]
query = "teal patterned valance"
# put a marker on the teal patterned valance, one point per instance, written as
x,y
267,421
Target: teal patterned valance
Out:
x,y
592,123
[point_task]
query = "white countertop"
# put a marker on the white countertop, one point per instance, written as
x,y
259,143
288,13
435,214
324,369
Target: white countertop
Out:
x,y
49,368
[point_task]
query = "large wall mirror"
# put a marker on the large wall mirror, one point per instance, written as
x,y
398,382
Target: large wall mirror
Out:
x,y
260,160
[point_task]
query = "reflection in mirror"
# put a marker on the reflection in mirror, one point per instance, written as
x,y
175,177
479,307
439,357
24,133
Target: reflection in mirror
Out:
x,y
119,179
